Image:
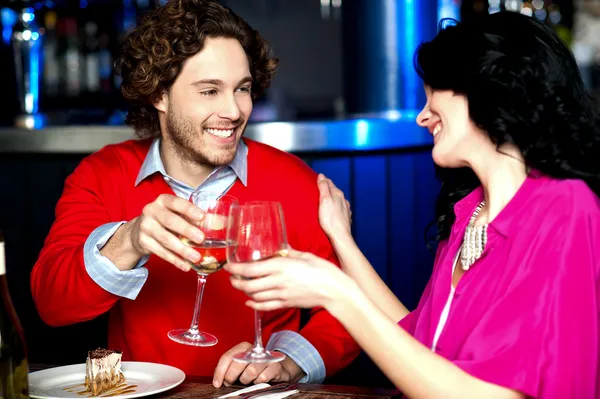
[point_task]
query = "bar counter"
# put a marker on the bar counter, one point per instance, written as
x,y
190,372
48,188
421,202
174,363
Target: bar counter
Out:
x,y
298,137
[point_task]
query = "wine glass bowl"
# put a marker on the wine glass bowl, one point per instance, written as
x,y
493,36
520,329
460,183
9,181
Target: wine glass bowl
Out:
x,y
257,230
213,255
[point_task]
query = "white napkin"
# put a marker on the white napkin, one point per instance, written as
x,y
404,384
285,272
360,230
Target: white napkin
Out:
x,y
266,395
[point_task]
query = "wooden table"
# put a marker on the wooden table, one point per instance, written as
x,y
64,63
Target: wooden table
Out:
x,y
201,387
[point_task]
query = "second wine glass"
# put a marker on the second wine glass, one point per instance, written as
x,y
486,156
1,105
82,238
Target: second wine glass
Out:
x,y
257,231
213,254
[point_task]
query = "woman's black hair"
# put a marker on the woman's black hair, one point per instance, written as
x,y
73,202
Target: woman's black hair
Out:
x,y
523,87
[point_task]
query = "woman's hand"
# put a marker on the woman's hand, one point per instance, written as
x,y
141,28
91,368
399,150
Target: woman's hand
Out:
x,y
298,280
335,215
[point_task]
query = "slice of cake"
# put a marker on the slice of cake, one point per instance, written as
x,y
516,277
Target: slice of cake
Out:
x,y
103,370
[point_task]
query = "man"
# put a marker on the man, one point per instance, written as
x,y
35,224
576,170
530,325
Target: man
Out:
x,y
191,71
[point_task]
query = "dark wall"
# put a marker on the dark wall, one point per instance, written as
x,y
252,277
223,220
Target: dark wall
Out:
x,y
392,196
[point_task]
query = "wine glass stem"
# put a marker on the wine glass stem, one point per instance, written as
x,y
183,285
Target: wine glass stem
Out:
x,y
199,292
258,345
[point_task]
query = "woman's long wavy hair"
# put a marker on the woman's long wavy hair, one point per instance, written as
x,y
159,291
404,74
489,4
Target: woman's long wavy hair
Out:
x,y
523,87
156,48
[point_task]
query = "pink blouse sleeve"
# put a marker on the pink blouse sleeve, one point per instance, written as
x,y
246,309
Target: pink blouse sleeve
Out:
x,y
408,322
546,325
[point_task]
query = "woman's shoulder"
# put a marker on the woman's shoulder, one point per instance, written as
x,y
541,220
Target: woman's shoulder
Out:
x,y
567,197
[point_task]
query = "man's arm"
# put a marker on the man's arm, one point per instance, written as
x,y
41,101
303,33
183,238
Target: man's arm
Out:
x,y
106,273
310,366
63,290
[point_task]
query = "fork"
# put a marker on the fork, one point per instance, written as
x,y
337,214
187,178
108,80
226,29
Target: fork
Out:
x,y
281,387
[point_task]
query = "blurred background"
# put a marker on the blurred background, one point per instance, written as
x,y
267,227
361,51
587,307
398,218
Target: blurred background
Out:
x,y
74,43
344,99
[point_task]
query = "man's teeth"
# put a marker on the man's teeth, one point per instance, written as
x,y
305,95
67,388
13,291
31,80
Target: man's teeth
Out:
x,y
222,133
437,129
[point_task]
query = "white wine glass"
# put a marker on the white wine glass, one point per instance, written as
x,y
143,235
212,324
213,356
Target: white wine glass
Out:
x,y
257,232
213,255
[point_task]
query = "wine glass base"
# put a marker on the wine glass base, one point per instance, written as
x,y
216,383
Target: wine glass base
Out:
x,y
185,337
258,357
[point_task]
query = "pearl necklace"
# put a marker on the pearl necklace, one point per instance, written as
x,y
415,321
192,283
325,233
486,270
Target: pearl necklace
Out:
x,y
474,240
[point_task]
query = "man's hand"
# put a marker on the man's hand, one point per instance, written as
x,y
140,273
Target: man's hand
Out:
x,y
157,231
228,371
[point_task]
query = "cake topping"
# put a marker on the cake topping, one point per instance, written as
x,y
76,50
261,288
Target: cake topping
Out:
x,y
101,352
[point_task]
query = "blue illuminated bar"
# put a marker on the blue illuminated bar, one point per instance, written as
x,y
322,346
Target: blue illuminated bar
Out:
x,y
380,37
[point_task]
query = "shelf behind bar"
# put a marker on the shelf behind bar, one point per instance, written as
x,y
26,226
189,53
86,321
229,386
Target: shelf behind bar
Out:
x,y
368,134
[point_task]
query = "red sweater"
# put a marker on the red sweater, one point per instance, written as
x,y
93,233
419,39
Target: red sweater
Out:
x,y
102,190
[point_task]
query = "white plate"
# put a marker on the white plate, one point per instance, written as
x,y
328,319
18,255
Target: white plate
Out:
x,y
150,378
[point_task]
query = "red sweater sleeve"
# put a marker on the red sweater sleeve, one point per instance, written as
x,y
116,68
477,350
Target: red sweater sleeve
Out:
x,y
62,290
335,345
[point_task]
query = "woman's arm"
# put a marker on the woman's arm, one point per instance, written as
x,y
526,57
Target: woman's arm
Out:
x,y
335,218
305,280
413,368
355,265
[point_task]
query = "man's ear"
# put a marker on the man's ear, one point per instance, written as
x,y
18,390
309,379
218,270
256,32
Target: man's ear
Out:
x,y
161,102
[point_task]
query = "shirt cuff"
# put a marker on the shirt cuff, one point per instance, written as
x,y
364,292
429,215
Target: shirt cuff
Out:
x,y
297,348
124,283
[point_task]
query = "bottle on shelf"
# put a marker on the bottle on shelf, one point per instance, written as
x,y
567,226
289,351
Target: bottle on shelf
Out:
x,y
13,351
27,48
51,64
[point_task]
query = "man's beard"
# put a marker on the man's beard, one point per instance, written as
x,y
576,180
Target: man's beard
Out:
x,y
183,132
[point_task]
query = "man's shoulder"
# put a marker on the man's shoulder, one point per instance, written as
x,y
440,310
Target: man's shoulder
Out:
x,y
124,158
127,152
276,162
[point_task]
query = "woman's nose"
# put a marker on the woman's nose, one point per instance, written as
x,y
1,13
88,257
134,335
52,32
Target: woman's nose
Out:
x,y
424,117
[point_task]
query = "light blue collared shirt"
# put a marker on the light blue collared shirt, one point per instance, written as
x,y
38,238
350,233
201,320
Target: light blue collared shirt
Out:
x,y
128,283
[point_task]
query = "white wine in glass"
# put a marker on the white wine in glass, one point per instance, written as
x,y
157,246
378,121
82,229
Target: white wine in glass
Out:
x,y
258,230
213,252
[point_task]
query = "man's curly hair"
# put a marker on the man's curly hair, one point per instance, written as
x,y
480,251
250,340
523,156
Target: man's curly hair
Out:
x,y
155,49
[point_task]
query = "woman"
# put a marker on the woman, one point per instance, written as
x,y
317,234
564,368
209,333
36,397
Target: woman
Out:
x,y
511,309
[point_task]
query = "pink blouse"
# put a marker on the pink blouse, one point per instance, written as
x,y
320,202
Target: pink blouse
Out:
x,y
526,315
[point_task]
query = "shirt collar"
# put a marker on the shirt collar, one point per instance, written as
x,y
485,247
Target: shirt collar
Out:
x,y
464,208
153,163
